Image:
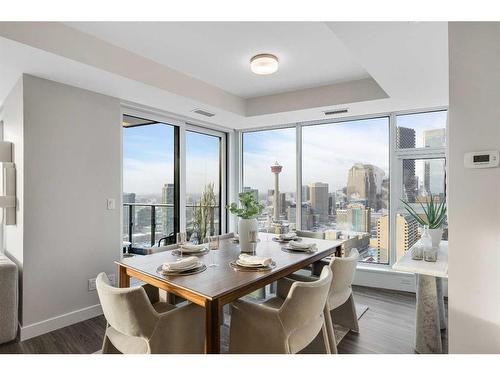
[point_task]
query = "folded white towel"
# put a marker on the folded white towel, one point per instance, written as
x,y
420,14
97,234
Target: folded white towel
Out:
x,y
301,246
181,265
252,260
192,247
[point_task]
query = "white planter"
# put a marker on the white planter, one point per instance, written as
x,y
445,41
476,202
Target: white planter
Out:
x,y
244,228
436,235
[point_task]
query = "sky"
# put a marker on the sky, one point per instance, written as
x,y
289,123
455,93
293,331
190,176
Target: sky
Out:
x,y
148,159
328,150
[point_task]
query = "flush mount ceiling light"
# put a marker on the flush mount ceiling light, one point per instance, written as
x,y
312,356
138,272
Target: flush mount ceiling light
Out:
x,y
264,64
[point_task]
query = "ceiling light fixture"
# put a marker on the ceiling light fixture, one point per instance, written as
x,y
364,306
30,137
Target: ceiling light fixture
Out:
x,y
264,64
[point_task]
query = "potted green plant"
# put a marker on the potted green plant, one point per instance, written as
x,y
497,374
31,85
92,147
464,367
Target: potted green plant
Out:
x,y
433,217
204,213
247,212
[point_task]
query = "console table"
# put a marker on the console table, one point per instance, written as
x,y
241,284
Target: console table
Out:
x,y
430,319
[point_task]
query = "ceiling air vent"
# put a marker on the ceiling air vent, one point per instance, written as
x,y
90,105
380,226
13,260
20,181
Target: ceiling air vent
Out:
x,y
336,111
204,113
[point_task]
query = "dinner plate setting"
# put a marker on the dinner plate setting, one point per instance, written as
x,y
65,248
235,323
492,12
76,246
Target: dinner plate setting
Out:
x,y
252,263
197,250
183,267
295,247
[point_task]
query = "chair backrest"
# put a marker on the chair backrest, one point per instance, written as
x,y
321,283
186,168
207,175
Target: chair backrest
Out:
x,y
159,249
305,302
343,270
309,234
226,236
127,310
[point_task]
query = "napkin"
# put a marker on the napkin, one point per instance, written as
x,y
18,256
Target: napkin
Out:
x,y
253,260
301,246
193,247
289,236
180,265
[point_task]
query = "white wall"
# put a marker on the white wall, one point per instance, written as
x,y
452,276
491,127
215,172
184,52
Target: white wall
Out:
x,y
72,159
13,132
474,202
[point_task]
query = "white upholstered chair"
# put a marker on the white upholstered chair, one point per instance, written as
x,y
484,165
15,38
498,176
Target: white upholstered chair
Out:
x,y
138,326
284,324
340,302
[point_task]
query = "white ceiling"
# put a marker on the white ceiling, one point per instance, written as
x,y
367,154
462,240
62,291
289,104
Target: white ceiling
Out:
x,y
406,64
218,53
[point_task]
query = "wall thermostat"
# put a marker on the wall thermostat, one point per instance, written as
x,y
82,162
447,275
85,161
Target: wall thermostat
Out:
x,y
481,159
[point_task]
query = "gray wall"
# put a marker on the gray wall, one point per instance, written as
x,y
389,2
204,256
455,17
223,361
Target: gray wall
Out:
x,y
474,202
72,164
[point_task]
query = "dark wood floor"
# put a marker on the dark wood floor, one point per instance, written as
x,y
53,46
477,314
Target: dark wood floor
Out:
x,y
387,327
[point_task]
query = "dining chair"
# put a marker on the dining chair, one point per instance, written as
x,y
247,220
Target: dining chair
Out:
x,y
226,236
138,324
340,307
159,249
309,234
286,323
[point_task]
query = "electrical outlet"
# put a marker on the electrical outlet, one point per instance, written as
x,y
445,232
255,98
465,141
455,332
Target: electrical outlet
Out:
x,y
91,285
110,204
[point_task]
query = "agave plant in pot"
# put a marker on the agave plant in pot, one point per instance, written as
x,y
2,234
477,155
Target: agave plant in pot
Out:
x,y
433,217
247,212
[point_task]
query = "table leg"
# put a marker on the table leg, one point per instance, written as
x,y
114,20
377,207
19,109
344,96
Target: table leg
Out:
x,y
442,317
123,278
212,327
428,327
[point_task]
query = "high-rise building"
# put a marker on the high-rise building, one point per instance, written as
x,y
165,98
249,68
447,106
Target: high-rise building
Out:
x,y
128,197
282,204
433,171
331,204
356,217
167,212
255,192
319,200
364,183
405,138
406,235
306,193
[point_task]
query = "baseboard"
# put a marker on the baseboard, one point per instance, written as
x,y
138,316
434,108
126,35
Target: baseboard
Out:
x,y
49,325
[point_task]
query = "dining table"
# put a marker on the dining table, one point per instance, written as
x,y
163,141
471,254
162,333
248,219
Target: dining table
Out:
x,y
222,283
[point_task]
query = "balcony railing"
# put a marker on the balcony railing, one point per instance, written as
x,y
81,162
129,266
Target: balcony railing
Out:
x,y
141,221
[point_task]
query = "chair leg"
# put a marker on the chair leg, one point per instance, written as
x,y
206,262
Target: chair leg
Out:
x,y
329,329
326,339
346,315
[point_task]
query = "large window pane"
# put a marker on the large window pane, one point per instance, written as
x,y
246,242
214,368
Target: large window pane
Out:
x,y
261,151
423,177
148,181
202,183
421,130
345,183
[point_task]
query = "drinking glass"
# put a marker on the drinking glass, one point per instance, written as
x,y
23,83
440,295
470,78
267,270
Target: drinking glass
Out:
x,y
254,238
181,240
209,240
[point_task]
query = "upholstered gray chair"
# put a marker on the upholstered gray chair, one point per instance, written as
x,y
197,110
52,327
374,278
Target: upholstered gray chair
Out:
x,y
137,326
8,299
284,324
340,302
309,234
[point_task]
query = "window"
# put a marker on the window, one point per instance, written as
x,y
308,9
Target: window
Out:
x,y
345,183
421,130
261,151
150,182
420,151
203,183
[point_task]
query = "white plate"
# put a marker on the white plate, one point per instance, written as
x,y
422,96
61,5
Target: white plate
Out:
x,y
186,268
249,265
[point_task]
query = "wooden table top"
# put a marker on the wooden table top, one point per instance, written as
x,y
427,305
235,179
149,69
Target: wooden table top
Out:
x,y
223,279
